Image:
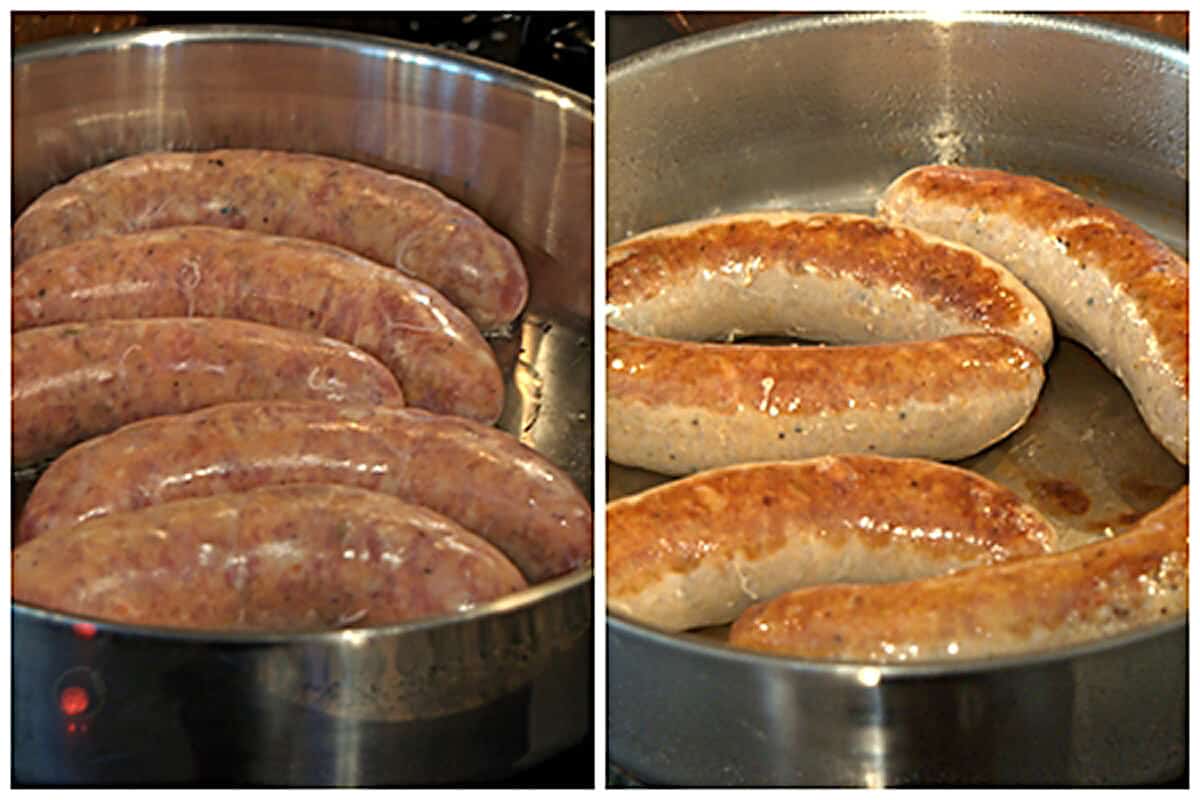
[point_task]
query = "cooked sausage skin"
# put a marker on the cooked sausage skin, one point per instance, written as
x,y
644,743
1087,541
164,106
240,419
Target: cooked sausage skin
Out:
x,y
74,381
699,550
481,477
680,407
397,221
1136,579
436,352
276,558
836,278
1107,283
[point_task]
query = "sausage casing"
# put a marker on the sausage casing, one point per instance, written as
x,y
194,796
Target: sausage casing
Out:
x,y
77,380
700,550
1106,282
481,477
1136,579
435,351
277,558
387,218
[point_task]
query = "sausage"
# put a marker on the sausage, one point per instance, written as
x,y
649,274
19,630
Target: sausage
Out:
x,y
77,380
435,351
394,220
1107,283
677,407
482,478
842,278
1135,579
700,550
277,558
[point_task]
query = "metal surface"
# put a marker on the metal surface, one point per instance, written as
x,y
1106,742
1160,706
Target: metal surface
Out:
x,y
467,698
821,113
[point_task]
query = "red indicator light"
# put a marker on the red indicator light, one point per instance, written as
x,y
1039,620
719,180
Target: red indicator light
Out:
x,y
71,727
73,700
84,630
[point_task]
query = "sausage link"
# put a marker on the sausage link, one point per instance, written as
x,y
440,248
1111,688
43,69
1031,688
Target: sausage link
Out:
x,y
700,550
680,406
1136,579
480,477
434,350
841,278
277,558
1107,283
77,380
385,217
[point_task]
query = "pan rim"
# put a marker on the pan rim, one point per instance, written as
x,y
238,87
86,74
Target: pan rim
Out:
x,y
363,44
1163,47
510,604
696,647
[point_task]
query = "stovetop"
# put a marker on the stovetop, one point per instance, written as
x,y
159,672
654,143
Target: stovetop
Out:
x,y
556,46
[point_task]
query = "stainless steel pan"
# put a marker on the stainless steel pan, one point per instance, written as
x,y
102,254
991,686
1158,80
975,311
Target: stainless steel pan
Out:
x,y
820,113
468,698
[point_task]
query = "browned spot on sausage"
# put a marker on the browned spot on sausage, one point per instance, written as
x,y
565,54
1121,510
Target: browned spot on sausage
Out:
x,y
1063,495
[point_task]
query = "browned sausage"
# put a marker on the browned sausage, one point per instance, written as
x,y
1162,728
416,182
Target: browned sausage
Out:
x,y
1107,283
435,351
396,221
675,406
1099,590
678,407
277,558
698,551
480,477
77,380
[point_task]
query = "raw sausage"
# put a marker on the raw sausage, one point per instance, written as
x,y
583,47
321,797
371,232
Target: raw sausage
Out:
x,y
481,477
1106,282
680,406
277,558
434,350
698,551
77,380
387,218
1135,579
